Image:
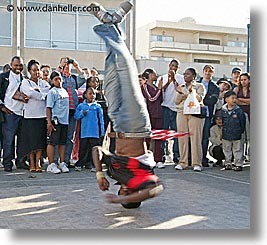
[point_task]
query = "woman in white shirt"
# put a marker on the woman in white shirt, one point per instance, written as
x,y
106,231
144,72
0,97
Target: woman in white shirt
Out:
x,y
34,116
189,123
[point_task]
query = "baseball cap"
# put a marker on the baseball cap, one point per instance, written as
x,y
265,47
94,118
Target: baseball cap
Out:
x,y
236,69
229,93
209,66
224,80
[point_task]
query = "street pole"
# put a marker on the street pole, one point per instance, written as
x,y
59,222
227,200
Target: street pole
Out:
x,y
18,31
248,48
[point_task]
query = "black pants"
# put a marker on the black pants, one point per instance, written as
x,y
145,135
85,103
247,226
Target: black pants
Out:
x,y
85,151
218,153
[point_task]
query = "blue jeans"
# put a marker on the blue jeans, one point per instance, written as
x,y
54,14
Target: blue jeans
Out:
x,y
169,122
205,139
126,106
10,128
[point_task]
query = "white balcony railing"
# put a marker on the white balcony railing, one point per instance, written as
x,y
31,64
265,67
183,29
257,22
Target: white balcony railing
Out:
x,y
160,66
172,46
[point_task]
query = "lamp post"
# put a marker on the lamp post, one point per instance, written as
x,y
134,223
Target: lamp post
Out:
x,y
248,48
18,48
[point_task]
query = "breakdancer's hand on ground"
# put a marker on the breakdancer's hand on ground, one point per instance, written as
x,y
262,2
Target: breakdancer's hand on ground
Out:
x,y
112,198
103,184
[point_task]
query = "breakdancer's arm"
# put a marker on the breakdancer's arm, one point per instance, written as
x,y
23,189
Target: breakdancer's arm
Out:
x,y
98,155
137,196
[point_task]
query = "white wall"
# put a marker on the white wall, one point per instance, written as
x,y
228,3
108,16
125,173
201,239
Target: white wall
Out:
x,y
162,67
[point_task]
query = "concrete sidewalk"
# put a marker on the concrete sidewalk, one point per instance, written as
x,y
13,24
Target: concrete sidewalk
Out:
x,y
211,199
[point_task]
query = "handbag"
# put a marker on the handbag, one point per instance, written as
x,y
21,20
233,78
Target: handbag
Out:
x,y
193,107
204,112
191,104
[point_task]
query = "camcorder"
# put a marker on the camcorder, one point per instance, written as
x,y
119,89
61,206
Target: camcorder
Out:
x,y
69,60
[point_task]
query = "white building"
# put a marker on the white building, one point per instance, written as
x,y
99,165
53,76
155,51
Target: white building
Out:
x,y
194,45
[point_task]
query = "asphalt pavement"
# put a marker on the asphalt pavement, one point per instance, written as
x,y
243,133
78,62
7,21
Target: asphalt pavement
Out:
x,y
211,199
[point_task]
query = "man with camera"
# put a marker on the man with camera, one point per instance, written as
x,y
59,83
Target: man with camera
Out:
x,y
71,83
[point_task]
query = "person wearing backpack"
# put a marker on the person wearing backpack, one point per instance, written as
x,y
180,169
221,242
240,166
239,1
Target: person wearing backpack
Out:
x,y
71,83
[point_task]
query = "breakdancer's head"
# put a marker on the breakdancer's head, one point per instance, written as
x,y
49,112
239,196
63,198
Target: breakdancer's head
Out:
x,y
124,190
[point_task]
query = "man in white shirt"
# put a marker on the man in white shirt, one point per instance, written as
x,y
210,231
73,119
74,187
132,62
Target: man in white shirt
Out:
x,y
11,105
168,104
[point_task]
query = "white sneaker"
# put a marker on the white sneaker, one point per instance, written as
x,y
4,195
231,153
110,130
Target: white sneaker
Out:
x,y
160,165
52,168
122,11
197,169
63,167
101,13
179,167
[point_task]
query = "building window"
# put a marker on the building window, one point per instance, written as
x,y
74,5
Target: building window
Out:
x,y
38,28
236,44
237,63
63,30
66,30
6,21
162,38
209,41
88,40
161,58
206,61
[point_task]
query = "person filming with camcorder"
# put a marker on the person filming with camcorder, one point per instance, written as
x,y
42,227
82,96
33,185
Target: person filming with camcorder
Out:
x,y
71,83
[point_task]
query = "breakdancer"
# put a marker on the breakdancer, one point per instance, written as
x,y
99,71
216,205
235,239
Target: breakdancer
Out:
x,y
132,164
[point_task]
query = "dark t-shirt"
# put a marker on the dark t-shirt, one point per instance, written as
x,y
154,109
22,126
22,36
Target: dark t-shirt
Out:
x,y
153,97
245,108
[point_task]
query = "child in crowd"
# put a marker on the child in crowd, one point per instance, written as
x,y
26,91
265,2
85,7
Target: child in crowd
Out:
x,y
234,121
95,83
216,149
224,86
92,82
57,112
92,128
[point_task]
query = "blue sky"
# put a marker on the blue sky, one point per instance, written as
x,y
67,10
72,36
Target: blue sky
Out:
x,y
232,13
